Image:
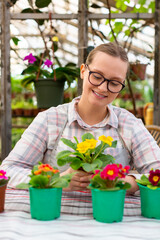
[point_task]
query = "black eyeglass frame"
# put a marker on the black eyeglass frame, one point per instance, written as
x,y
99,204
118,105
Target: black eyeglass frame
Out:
x,y
105,80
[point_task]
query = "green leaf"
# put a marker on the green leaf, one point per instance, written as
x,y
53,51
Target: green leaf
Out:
x,y
39,181
152,6
15,40
23,186
98,180
42,3
78,154
63,154
88,167
97,149
61,162
144,180
87,136
123,185
152,187
28,80
76,164
30,69
68,177
76,140
106,159
98,162
30,10
69,143
60,183
114,144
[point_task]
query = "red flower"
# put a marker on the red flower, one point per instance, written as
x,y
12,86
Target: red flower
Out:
x,y
123,171
110,172
45,167
154,177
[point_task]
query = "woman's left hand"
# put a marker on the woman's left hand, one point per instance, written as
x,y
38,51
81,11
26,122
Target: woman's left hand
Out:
x,y
134,187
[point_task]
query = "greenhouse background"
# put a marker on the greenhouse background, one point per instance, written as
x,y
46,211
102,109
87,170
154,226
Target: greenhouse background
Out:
x,y
68,30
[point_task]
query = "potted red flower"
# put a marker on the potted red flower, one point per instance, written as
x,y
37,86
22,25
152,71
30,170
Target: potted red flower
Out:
x,y
149,186
108,193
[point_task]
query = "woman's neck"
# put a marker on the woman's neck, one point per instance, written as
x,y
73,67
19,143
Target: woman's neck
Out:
x,y
91,115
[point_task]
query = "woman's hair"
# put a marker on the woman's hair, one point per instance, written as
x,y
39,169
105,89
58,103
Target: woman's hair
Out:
x,y
112,49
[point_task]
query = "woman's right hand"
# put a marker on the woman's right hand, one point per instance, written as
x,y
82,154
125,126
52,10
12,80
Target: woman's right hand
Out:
x,y
79,181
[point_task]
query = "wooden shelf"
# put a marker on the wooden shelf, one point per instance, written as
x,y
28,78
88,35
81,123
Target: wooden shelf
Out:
x,y
22,112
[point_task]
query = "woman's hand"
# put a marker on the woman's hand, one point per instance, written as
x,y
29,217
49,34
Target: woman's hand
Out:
x,y
134,187
79,181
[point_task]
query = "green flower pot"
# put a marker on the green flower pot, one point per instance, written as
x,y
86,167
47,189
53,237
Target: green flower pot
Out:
x,y
108,206
49,93
150,202
45,204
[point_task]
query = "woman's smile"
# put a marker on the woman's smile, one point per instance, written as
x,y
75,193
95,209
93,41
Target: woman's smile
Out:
x,y
98,95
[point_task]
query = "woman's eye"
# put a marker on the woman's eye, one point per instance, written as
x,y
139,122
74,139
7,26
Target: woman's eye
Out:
x,y
115,83
97,76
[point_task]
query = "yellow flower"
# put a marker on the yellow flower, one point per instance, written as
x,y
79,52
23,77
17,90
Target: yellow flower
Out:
x,y
107,140
55,39
92,143
82,147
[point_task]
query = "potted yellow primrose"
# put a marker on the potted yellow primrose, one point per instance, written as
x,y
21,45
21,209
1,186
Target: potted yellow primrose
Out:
x,y
87,155
149,186
108,193
45,188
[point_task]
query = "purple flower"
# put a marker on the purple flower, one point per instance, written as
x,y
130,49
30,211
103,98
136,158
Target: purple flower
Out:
x,y
48,63
31,59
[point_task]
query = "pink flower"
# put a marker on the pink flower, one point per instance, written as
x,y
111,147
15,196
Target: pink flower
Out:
x,y
96,172
31,59
3,175
48,63
110,172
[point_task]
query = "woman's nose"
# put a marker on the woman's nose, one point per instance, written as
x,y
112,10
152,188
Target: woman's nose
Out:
x,y
103,86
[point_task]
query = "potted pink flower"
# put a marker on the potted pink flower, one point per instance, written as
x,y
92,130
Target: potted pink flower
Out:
x,y
48,78
3,184
108,193
149,186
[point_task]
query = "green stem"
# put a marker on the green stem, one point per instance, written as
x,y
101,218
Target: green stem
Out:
x,y
95,156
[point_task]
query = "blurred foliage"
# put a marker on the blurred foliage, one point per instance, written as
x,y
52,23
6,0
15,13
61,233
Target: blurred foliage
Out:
x,y
16,135
142,91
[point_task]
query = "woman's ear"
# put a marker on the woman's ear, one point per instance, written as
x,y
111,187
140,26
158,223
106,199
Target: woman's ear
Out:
x,y
82,70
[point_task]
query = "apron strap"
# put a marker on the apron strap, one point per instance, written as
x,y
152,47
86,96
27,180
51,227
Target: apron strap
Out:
x,y
58,138
125,146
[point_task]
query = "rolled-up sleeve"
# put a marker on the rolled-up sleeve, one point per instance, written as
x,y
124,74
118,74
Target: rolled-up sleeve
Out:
x,y
28,151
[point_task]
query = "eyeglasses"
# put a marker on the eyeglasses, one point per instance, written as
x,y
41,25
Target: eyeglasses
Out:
x,y
97,79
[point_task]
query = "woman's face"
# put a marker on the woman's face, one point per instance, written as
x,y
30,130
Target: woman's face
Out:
x,y
112,68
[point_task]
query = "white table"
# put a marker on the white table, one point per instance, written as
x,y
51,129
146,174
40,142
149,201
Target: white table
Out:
x,y
16,222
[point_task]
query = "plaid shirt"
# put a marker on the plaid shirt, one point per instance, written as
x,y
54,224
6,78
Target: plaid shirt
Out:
x,y
39,139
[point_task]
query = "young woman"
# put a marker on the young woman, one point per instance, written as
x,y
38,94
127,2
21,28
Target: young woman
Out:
x,y
103,77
